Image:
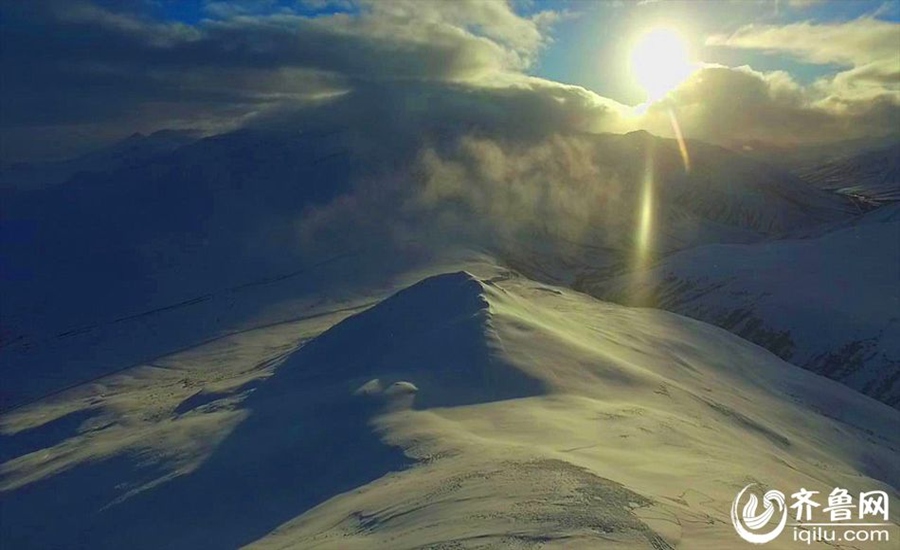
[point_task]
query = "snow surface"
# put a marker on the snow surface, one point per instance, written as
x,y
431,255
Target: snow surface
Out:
x,y
472,409
134,150
830,303
873,174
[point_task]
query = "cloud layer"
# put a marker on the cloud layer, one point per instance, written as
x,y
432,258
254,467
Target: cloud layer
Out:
x,y
75,67
78,73
732,106
862,98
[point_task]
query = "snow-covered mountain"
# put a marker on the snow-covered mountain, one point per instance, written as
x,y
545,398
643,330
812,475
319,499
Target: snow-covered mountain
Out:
x,y
165,227
106,248
468,410
874,175
801,157
721,186
290,340
828,303
131,151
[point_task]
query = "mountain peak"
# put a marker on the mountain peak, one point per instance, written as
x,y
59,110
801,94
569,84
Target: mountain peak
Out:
x,y
436,334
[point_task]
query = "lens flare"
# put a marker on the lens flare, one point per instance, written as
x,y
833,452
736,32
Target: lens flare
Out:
x,y
643,236
644,241
682,145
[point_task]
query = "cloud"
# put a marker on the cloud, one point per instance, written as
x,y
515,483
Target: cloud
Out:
x,y
452,163
491,192
77,73
78,67
802,4
854,43
732,105
868,49
861,99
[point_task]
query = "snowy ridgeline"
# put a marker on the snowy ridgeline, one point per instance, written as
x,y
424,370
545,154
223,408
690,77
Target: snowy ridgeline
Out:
x,y
460,412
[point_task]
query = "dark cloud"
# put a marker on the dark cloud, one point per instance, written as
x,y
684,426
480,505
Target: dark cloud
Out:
x,y
530,110
78,66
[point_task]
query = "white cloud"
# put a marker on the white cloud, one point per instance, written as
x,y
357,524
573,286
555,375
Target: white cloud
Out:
x,y
732,105
864,96
852,43
802,4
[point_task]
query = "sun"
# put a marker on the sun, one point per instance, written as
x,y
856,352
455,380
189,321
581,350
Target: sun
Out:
x,y
660,61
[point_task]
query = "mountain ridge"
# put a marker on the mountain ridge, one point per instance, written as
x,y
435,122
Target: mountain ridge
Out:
x,y
313,452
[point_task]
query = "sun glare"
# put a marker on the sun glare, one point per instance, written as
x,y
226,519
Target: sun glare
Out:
x,y
660,61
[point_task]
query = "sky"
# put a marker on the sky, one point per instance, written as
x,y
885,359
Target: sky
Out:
x,y
78,74
585,48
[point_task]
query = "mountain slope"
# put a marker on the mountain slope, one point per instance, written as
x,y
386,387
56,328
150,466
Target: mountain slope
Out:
x,y
211,214
721,186
134,150
460,412
827,303
874,174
